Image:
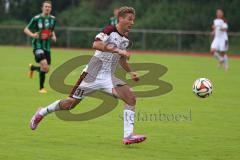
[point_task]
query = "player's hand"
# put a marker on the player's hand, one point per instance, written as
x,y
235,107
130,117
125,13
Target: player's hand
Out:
x,y
124,53
54,38
35,35
134,76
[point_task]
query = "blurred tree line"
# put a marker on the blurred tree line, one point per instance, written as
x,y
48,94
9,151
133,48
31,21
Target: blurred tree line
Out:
x,y
151,14
23,10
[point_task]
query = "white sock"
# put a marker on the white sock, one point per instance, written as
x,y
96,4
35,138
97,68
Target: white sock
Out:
x,y
128,122
219,58
50,108
225,58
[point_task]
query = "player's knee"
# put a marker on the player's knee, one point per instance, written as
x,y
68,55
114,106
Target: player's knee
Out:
x,y
45,69
132,100
212,51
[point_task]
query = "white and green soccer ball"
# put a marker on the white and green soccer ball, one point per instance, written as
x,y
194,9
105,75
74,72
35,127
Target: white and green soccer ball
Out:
x,y
202,87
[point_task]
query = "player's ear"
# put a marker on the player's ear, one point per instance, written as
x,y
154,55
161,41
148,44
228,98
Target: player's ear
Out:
x,y
120,19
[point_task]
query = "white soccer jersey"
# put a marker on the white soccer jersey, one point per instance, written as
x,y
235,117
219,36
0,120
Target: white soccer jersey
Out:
x,y
220,24
220,42
105,63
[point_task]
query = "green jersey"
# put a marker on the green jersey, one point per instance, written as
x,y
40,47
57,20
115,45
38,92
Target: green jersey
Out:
x,y
44,25
112,21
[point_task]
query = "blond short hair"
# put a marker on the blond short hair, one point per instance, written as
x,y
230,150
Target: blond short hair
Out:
x,y
124,10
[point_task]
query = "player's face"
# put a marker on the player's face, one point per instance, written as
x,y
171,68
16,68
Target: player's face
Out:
x,y
46,8
115,12
219,13
127,22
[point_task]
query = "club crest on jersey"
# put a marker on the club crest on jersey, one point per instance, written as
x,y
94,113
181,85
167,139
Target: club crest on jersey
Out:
x,y
40,25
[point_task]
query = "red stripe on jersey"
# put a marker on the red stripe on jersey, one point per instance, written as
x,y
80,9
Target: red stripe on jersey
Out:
x,y
109,29
97,39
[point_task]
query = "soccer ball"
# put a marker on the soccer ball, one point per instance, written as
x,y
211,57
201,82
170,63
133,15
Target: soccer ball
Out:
x,y
202,87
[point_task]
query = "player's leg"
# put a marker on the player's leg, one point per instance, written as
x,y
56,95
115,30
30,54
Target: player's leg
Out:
x,y
215,47
78,92
225,58
224,54
216,54
32,67
43,58
65,104
127,95
44,68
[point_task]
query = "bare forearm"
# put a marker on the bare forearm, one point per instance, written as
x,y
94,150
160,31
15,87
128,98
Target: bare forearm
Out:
x,y
53,34
224,29
28,32
54,38
101,46
125,65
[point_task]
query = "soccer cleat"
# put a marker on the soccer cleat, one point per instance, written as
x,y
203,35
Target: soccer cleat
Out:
x,y
43,90
30,72
134,138
36,119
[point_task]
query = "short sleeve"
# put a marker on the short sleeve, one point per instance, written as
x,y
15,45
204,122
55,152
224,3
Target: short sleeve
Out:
x,y
101,37
104,34
31,24
214,22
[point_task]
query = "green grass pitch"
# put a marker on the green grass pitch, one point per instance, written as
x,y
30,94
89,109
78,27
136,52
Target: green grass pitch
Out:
x,y
211,133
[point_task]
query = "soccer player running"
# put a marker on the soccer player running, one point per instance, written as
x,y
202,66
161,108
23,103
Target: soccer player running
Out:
x,y
220,41
110,46
41,30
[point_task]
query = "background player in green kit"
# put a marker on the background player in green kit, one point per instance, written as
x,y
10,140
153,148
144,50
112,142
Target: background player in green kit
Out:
x,y
113,20
41,30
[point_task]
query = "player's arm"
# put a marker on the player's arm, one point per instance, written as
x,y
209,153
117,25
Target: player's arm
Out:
x,y
213,30
126,66
105,47
224,27
213,27
54,37
28,32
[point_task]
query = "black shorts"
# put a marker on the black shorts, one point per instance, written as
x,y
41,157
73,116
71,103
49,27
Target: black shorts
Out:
x,y
41,54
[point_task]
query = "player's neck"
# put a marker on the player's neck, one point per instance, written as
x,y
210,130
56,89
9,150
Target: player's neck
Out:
x,y
45,15
120,29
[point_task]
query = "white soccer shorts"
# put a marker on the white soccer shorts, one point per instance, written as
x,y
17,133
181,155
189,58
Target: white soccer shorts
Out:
x,y
220,45
86,85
